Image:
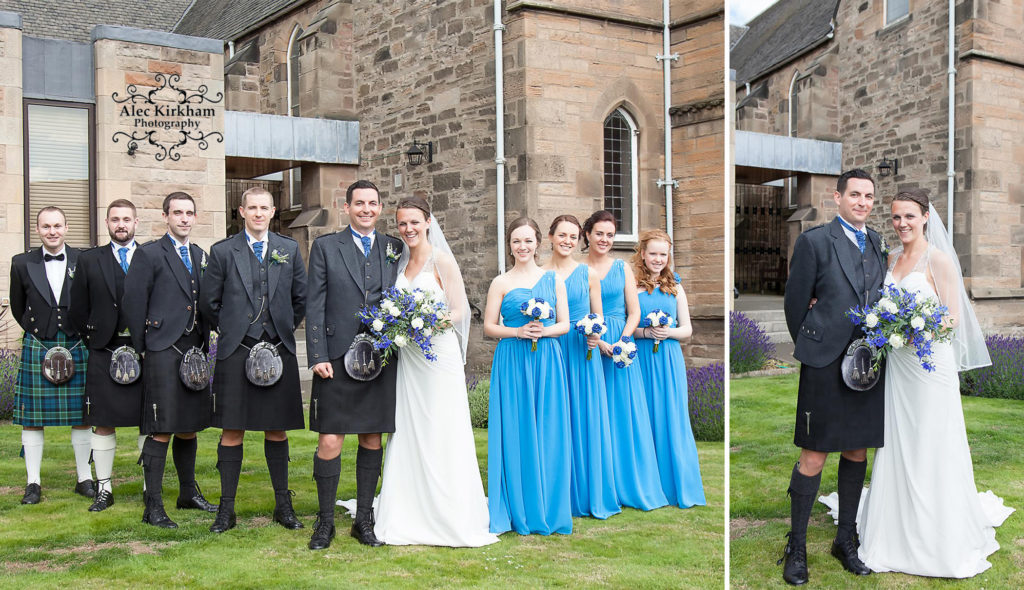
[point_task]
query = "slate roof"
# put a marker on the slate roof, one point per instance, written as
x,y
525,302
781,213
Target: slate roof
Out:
x,y
228,19
74,20
780,33
735,33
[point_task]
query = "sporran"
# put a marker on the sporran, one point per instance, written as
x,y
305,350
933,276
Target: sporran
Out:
x,y
195,369
263,366
58,366
363,361
858,365
124,365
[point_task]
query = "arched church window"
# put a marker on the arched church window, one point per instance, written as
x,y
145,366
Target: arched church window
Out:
x,y
620,172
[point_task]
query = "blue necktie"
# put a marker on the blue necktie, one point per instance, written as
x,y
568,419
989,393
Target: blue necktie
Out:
x,y
257,249
367,244
861,237
183,251
122,253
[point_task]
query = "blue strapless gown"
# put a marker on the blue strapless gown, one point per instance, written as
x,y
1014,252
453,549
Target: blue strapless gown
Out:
x,y
635,462
528,447
593,481
667,399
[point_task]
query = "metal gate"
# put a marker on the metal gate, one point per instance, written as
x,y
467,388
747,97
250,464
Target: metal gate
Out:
x,y
761,239
235,187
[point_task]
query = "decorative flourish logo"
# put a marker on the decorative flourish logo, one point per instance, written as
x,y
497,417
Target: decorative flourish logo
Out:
x,y
183,116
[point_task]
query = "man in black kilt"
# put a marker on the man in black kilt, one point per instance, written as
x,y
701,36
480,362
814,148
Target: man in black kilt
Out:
x,y
253,295
348,269
834,268
162,306
113,388
41,281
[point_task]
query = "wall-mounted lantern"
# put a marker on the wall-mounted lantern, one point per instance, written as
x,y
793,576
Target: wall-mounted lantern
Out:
x,y
419,153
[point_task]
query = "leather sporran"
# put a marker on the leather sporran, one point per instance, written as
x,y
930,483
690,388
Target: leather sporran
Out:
x,y
263,366
363,361
125,367
858,366
58,365
195,369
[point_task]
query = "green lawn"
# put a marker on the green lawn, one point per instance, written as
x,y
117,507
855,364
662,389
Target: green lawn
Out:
x,y
58,543
762,457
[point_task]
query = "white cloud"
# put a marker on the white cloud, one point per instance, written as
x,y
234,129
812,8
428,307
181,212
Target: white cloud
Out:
x,y
742,11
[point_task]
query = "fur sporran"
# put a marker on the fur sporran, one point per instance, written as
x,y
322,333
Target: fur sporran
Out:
x,y
195,369
124,365
858,366
58,366
363,361
263,366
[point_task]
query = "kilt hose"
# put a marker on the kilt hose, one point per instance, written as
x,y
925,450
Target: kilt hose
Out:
x,y
37,402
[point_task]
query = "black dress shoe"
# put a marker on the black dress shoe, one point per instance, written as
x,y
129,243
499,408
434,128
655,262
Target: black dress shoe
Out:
x,y
363,531
155,514
323,532
284,514
846,552
86,488
104,500
225,520
795,556
32,494
195,502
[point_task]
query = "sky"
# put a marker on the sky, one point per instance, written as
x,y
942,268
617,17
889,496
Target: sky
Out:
x,y
741,11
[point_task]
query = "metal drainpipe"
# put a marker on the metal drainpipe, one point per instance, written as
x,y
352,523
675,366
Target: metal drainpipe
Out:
x,y
950,164
499,127
668,183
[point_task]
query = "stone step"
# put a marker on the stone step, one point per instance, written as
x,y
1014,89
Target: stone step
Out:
x,y
300,353
779,337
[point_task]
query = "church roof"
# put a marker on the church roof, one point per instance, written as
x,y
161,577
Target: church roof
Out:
x,y
73,21
229,19
782,32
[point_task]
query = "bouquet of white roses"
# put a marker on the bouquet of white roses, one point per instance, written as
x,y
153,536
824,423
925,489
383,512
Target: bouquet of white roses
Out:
x,y
903,318
623,352
537,309
654,319
591,324
405,316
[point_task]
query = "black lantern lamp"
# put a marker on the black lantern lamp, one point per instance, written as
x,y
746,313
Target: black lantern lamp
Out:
x,y
419,153
888,167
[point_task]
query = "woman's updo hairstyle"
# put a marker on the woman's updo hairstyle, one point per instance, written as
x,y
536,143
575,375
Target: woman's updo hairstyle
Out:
x,y
416,202
564,219
588,225
518,223
916,195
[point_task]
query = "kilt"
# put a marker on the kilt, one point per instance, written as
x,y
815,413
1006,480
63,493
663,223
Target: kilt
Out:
x,y
240,405
343,405
831,417
168,406
109,403
37,402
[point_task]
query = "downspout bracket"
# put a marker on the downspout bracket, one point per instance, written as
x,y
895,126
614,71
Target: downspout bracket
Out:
x,y
670,182
662,57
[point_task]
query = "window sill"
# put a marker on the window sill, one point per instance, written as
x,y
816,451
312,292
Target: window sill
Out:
x,y
895,25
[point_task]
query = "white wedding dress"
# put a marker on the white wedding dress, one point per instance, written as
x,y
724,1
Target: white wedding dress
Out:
x,y
431,491
923,514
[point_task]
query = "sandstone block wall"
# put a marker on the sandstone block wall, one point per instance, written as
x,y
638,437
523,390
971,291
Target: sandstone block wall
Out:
x,y
12,175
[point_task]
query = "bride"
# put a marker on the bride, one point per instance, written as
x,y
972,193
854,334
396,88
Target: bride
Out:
x,y
431,492
924,515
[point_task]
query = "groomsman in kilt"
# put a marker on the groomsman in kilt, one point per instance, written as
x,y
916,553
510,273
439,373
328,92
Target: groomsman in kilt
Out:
x,y
161,303
254,295
347,269
44,396
111,400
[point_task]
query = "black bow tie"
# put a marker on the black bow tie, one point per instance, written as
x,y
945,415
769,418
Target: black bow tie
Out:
x,y
49,257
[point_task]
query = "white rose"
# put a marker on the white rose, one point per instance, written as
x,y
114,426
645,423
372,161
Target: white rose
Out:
x,y
439,315
896,341
377,325
417,323
401,341
871,320
393,311
888,305
917,322
928,335
427,332
417,296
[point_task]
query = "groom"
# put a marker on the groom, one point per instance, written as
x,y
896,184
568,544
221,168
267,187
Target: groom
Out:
x,y
834,267
347,269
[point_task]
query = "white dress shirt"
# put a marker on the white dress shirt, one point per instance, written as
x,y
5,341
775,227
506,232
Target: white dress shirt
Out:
x,y
266,243
114,246
55,271
359,242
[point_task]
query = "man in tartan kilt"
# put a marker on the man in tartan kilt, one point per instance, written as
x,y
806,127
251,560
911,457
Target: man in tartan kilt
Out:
x,y
161,305
40,290
98,316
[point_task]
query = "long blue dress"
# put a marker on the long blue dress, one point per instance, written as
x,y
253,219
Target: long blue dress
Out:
x,y
528,448
637,482
664,375
593,482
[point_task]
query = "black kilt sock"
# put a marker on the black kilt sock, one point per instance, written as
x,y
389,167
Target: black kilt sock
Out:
x,y
368,463
326,473
229,463
851,483
802,490
184,453
276,452
154,459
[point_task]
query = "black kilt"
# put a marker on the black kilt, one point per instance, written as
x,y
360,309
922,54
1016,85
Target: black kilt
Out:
x,y
168,405
343,405
240,405
831,417
108,403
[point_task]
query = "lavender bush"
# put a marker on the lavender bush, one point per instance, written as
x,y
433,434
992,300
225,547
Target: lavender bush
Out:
x,y
1004,378
749,347
707,401
9,361
479,398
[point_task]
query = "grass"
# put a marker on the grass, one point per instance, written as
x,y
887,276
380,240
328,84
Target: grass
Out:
x,y
58,543
762,457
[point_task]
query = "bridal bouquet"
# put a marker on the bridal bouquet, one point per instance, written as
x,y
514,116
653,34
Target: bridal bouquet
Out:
x,y
537,309
405,316
903,318
623,352
654,319
588,325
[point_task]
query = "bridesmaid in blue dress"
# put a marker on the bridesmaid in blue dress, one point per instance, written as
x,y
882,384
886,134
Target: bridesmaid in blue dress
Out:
x,y
528,447
593,483
664,372
634,461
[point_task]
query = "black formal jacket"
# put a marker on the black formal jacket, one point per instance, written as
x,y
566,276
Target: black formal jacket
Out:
x,y
336,291
228,297
159,298
824,267
32,301
95,309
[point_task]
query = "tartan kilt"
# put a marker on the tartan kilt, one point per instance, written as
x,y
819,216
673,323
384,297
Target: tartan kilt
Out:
x,y
37,402
168,406
109,403
240,405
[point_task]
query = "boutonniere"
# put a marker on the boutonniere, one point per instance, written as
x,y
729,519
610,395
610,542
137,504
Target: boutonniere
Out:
x,y
278,257
202,263
391,255
71,272
883,245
